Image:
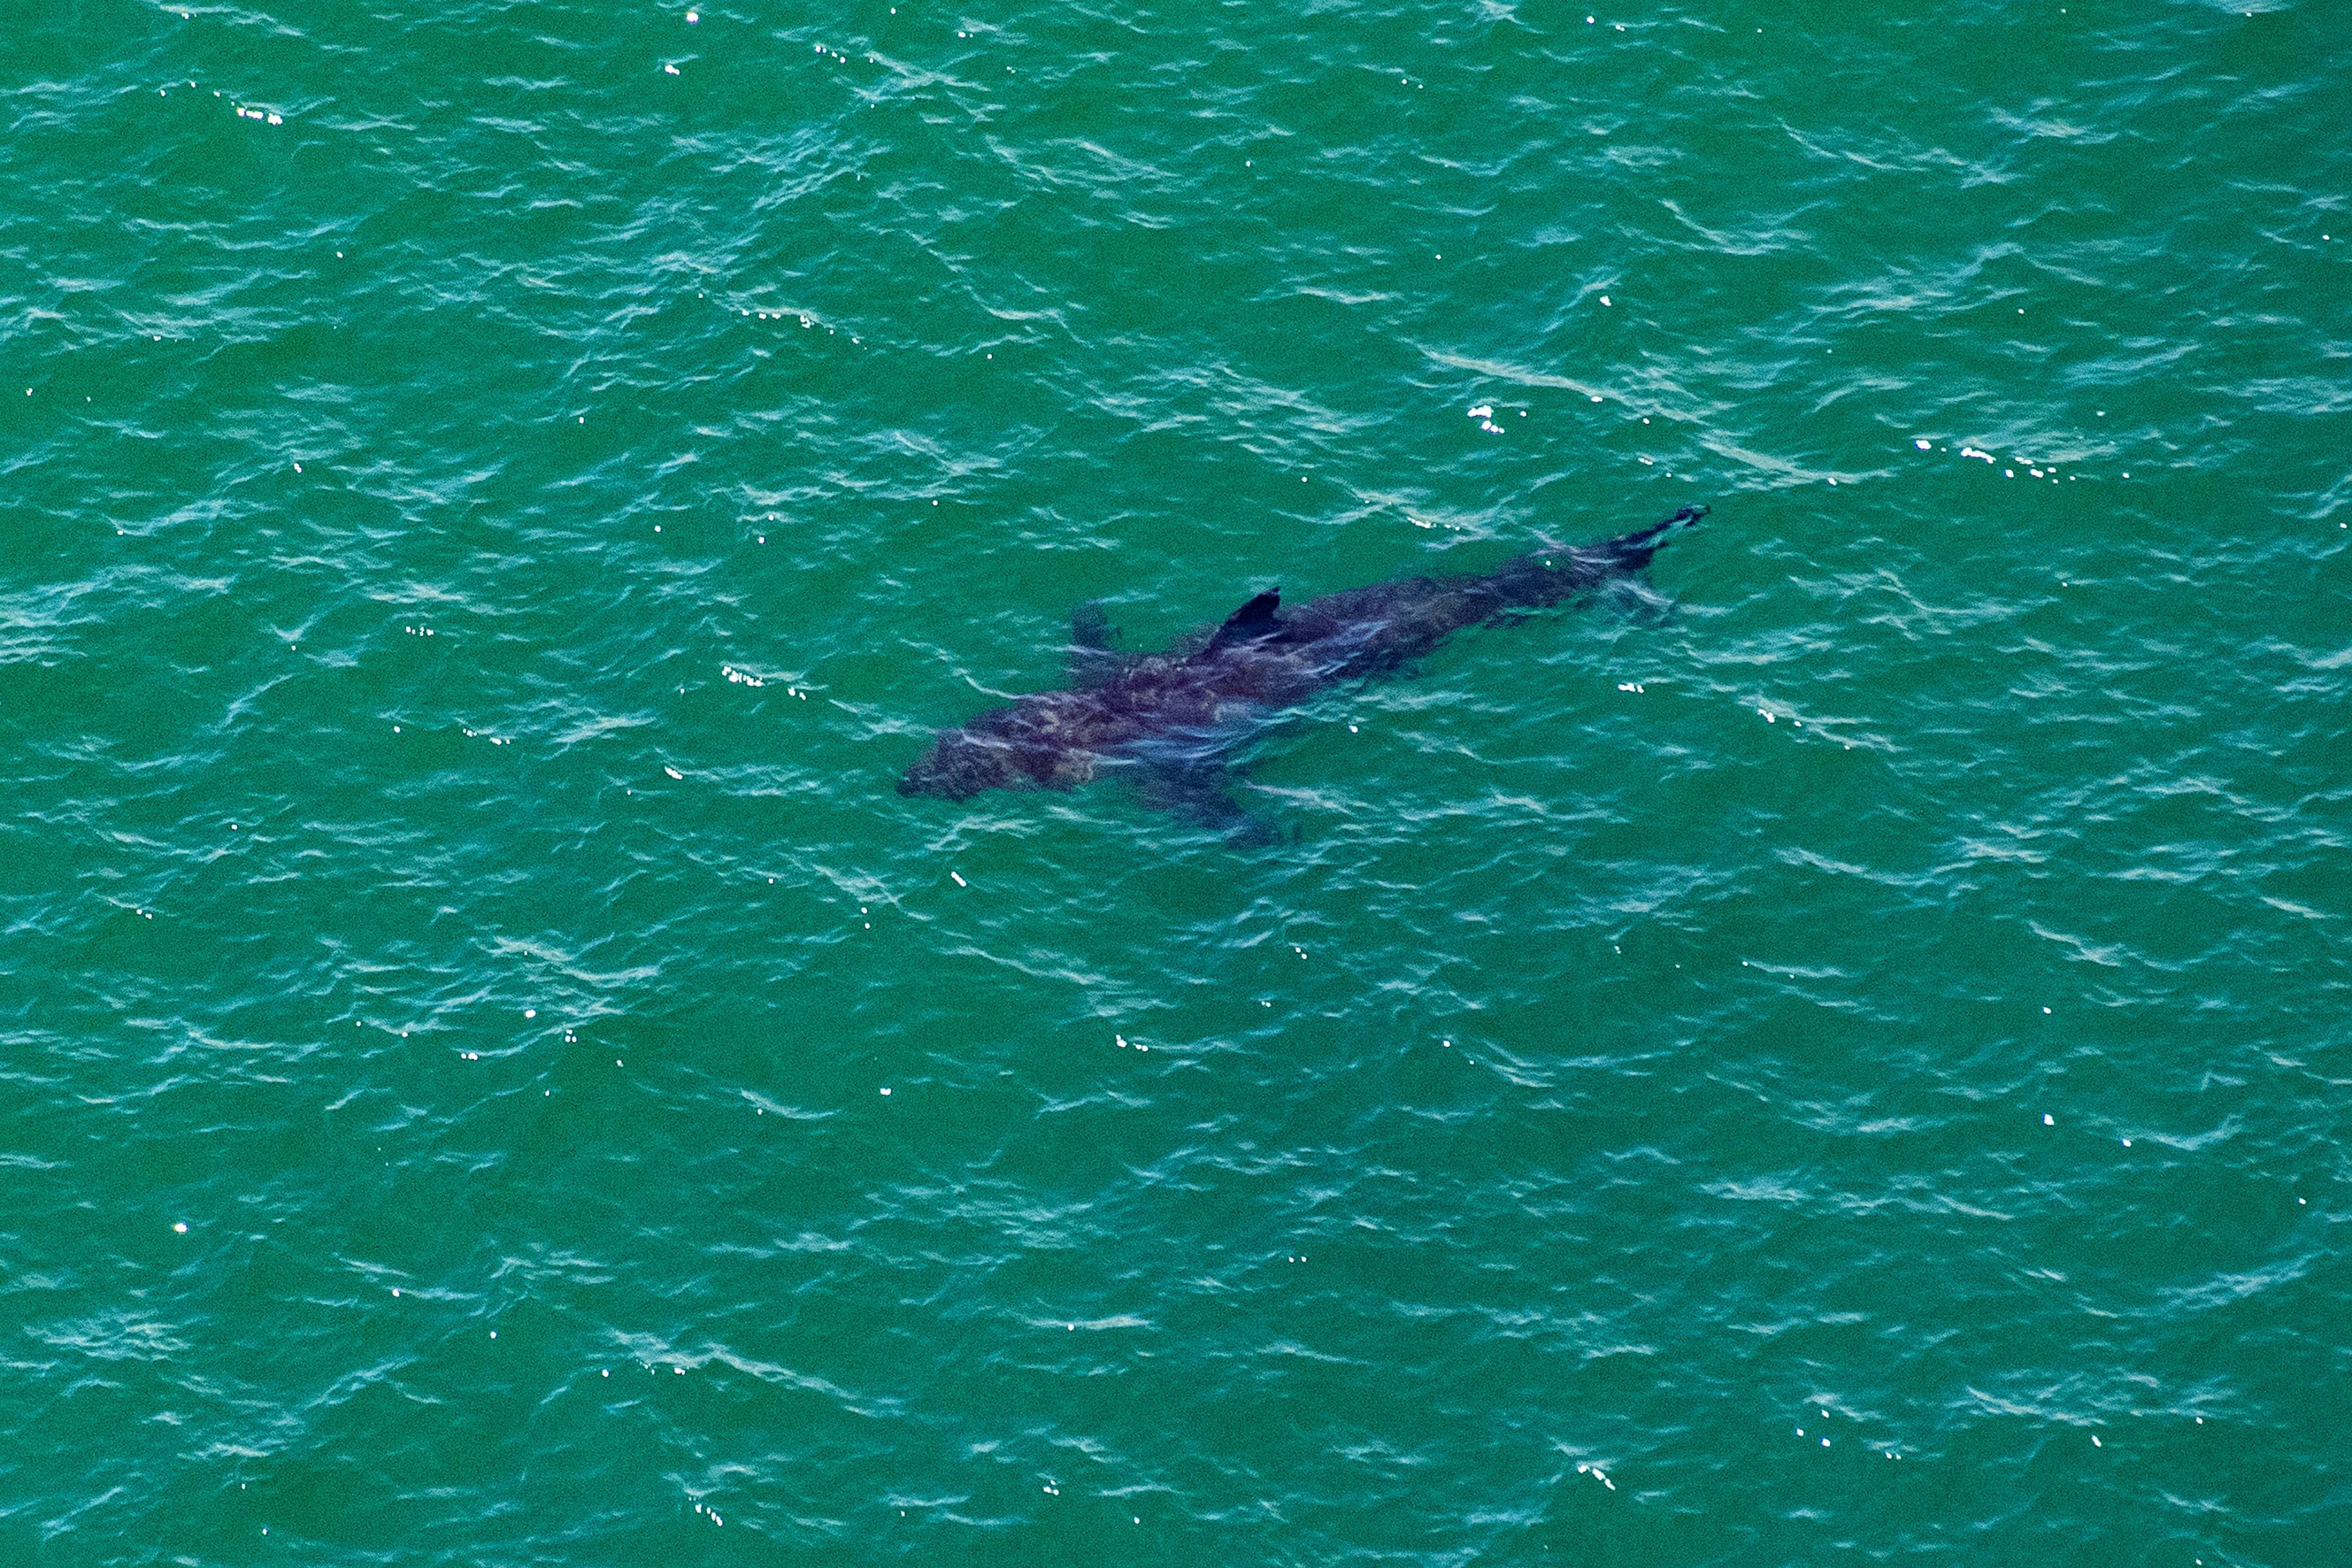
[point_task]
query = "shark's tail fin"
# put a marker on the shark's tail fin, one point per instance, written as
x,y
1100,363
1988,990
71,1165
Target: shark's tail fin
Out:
x,y
1631,552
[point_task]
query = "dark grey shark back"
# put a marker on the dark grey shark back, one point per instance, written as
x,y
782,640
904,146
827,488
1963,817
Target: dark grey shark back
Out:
x,y
1171,716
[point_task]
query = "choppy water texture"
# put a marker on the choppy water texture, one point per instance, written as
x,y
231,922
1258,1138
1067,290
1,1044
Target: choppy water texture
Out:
x,y
1846,1063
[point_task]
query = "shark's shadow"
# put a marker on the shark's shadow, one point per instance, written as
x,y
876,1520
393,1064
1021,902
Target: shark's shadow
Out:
x,y
1174,721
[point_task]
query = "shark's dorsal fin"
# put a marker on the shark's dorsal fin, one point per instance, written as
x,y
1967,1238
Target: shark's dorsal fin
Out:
x,y
1258,612
1253,619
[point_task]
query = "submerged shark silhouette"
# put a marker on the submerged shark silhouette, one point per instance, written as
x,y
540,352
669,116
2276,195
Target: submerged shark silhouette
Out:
x,y
1174,718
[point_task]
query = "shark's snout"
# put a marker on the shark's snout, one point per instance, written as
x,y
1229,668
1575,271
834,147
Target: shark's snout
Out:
x,y
958,767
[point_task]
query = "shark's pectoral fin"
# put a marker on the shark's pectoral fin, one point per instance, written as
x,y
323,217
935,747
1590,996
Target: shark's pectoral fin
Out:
x,y
1202,793
1090,627
1094,646
1638,602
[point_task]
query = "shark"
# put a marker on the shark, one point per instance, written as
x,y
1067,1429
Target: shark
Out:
x,y
1175,721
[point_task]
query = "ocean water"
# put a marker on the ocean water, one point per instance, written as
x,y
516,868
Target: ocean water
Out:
x,y
1841,1056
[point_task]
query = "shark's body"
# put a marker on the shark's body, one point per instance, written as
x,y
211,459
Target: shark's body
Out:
x,y
1174,716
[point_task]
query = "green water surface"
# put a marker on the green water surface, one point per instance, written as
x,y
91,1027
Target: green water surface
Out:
x,y
1842,1059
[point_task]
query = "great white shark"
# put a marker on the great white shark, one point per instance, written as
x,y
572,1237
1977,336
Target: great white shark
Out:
x,y
1173,719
